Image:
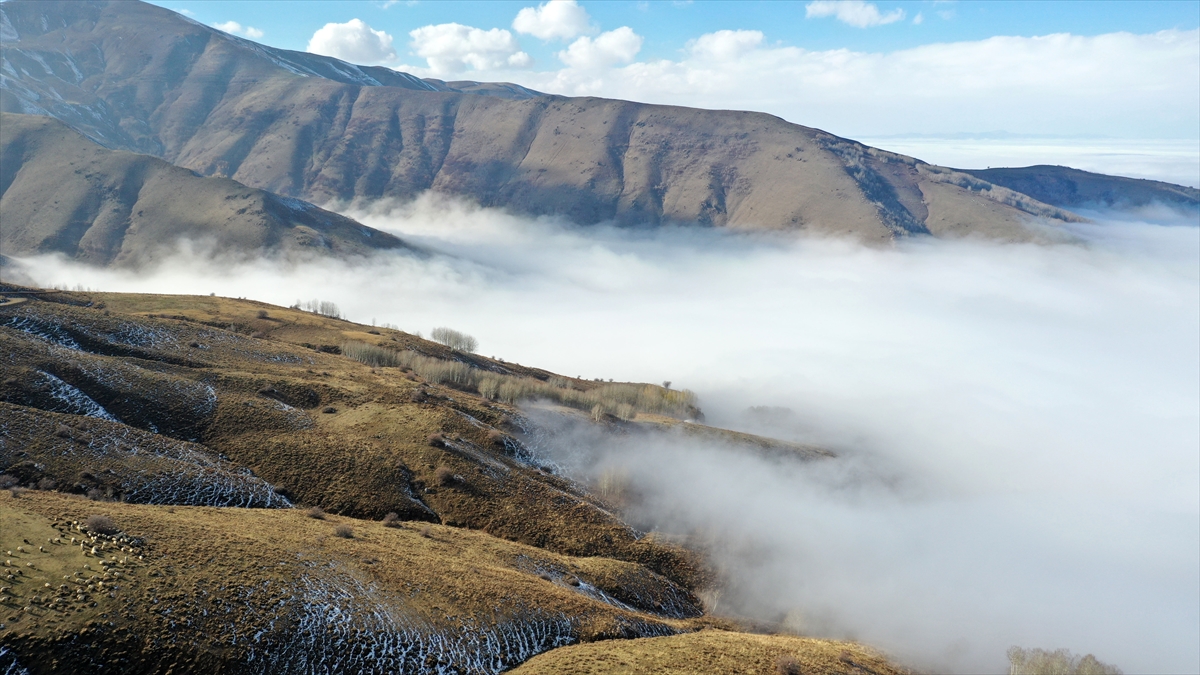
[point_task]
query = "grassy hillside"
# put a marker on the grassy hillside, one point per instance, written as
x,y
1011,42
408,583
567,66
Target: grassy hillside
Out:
x,y
228,441
712,651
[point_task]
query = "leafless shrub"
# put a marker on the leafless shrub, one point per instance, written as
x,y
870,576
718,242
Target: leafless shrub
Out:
x,y
1058,662
495,437
47,484
454,340
343,531
612,398
444,476
263,314
436,440
7,481
329,410
316,512
102,525
63,431
392,519
372,355
259,335
787,665
426,532
418,395
95,495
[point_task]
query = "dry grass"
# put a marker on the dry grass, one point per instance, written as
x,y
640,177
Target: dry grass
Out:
x,y
192,553
712,651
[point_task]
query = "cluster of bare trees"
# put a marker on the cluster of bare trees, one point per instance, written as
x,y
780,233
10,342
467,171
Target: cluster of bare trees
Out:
x,y
621,400
322,307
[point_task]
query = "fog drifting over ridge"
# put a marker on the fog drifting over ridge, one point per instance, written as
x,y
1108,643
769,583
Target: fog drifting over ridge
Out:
x,y
1032,412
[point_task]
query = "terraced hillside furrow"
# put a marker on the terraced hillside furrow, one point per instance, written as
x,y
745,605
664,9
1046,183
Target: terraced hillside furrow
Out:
x,y
254,591
138,77
105,457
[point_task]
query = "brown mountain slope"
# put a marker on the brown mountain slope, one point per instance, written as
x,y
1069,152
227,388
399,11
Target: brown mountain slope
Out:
x,y
140,77
195,424
61,193
1072,188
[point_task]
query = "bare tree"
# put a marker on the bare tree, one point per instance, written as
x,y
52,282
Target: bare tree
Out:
x,y
454,339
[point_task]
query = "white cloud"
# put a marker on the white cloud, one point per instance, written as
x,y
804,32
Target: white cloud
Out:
x,y
1118,84
187,12
725,45
451,48
615,46
853,12
238,29
353,41
918,19
557,19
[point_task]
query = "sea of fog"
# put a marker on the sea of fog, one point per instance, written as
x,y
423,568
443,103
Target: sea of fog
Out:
x,y
1018,425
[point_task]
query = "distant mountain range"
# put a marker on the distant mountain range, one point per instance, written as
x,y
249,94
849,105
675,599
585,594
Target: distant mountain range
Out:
x,y
136,77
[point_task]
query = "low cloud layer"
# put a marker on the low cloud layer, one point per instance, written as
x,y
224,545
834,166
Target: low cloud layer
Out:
x,y
1018,424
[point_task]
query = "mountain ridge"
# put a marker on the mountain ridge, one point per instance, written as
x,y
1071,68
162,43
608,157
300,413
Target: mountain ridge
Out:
x,y
139,77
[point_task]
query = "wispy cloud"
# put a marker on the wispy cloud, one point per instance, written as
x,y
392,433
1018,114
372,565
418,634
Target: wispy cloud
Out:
x,y
238,29
852,12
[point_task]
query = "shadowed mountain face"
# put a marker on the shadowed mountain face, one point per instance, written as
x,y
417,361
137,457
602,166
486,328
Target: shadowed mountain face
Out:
x,y
138,77
1071,188
61,193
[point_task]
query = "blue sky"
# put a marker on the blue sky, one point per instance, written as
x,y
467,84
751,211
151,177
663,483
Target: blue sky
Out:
x,y
866,70
667,26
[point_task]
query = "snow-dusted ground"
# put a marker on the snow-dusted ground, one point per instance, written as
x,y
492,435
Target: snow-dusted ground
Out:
x,y
146,468
342,624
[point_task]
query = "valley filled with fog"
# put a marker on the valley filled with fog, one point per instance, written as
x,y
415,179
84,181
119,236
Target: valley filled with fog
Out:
x,y
1017,424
